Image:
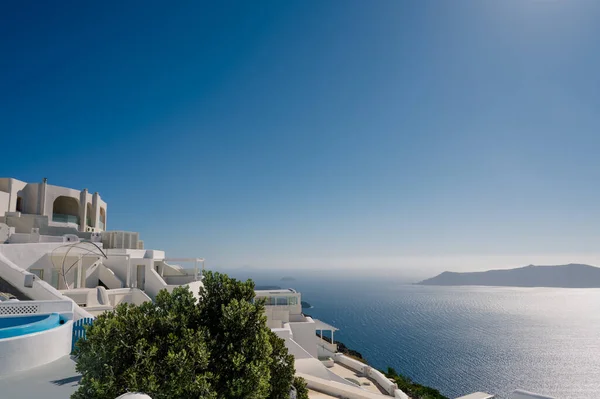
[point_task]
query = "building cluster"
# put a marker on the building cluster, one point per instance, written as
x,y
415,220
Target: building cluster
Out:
x,y
60,265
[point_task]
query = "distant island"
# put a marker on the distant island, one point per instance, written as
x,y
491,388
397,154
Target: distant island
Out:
x,y
562,276
288,279
305,305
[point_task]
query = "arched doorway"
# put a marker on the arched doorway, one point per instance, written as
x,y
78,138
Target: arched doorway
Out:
x,y
65,210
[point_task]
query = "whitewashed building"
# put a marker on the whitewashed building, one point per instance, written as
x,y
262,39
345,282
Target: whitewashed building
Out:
x,y
47,207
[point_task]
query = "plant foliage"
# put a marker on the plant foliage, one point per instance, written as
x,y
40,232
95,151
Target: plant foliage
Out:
x,y
177,347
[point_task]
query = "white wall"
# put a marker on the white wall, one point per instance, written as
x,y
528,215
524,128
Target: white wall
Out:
x,y
53,192
33,350
41,290
4,202
127,295
13,186
109,278
305,335
30,195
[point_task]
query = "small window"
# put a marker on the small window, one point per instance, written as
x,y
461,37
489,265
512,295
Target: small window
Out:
x,y
293,300
282,301
38,272
268,300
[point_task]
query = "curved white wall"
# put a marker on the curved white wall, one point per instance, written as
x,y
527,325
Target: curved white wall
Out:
x,y
33,350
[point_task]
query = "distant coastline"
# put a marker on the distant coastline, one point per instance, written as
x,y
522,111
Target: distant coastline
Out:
x,y
561,276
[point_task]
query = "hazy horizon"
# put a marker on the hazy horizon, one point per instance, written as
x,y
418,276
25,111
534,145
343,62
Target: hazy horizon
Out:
x,y
391,136
407,268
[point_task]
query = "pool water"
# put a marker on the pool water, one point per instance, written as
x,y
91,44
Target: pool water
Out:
x,y
14,326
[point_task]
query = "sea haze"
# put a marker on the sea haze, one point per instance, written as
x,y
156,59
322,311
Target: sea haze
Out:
x,y
465,339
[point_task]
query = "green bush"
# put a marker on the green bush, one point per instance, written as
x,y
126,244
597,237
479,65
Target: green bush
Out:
x,y
219,347
412,389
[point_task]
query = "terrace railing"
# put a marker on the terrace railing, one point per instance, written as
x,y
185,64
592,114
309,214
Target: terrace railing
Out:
x,y
79,330
58,217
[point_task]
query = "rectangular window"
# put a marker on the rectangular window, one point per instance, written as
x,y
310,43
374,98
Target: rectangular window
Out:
x,y
282,301
269,301
38,272
293,300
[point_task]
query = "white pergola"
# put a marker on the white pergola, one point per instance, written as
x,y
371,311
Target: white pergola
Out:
x,y
322,326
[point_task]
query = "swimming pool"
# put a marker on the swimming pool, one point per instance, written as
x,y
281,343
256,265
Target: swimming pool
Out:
x,y
14,326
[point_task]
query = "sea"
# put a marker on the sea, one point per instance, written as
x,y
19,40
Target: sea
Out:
x,y
461,340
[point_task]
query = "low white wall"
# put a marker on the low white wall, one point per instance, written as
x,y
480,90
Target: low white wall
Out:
x,y
390,387
337,389
520,394
384,382
127,295
179,279
33,350
401,395
79,295
353,364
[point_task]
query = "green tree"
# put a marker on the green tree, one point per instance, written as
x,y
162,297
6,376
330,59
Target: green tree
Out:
x,y
238,335
282,368
151,348
219,347
411,388
301,389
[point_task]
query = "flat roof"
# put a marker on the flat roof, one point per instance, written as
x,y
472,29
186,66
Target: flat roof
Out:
x,y
321,325
477,395
281,291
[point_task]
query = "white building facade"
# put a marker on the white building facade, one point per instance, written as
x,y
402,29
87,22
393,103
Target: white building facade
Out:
x,y
42,205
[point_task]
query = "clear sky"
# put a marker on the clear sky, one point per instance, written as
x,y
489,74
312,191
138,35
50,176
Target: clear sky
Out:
x,y
403,134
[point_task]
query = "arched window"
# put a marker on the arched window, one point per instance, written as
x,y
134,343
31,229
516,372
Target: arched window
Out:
x,y
91,220
65,210
19,204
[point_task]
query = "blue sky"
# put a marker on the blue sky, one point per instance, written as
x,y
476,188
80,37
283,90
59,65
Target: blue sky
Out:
x,y
316,133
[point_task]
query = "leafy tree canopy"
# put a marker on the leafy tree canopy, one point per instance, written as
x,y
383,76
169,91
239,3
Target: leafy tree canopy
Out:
x,y
176,347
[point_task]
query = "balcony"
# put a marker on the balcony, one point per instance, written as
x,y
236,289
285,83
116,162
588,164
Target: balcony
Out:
x,y
60,218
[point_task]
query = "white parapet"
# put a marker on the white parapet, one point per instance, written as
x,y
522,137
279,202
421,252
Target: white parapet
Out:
x,y
477,395
24,352
520,394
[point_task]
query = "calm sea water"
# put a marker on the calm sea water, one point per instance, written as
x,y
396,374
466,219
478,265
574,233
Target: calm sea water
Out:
x,y
460,339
